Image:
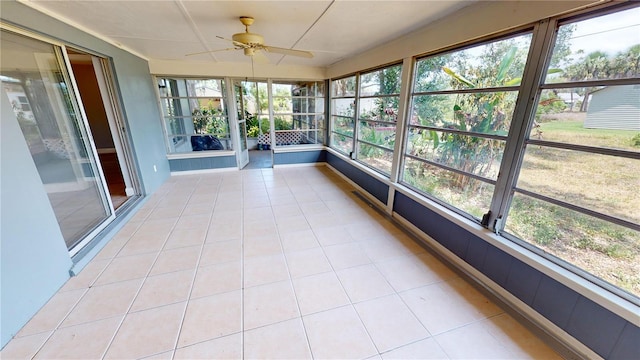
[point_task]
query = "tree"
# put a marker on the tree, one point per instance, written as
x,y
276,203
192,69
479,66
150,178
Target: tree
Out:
x,y
599,65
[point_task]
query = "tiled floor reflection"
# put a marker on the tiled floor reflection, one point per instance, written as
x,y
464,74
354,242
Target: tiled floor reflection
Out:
x,y
283,263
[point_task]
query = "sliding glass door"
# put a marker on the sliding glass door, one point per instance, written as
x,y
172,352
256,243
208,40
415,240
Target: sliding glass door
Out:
x,y
36,82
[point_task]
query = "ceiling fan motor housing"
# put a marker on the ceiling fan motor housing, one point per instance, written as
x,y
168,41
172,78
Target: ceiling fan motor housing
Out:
x,y
248,38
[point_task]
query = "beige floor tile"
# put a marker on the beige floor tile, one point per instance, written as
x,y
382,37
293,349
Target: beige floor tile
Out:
x,y
253,213
161,227
410,244
24,347
147,332
407,272
260,228
445,306
221,252
520,341
142,244
289,219
428,261
130,228
176,260
423,349
211,317
227,203
202,208
185,238
126,268
163,290
165,212
193,222
292,224
382,247
284,340
167,355
52,313
286,211
257,201
338,334
217,278
323,221
87,276
112,248
332,236
367,229
102,302
86,341
226,347
299,240
344,256
261,245
317,207
472,342
283,200
390,323
264,269
224,232
269,304
364,283
307,262
319,292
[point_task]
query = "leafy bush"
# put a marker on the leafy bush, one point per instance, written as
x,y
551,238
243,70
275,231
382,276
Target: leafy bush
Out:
x,y
635,141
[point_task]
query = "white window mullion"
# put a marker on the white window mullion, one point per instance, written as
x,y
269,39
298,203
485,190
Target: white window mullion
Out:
x,y
524,114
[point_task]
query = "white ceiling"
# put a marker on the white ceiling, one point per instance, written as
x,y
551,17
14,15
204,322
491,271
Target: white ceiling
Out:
x,y
331,29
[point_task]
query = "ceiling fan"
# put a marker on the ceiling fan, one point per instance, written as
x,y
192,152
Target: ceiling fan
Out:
x,y
252,43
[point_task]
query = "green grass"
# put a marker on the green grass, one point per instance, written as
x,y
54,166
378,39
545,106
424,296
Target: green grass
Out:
x,y
573,132
603,183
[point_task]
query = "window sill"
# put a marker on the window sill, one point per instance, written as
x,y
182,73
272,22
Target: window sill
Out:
x,y
298,148
201,154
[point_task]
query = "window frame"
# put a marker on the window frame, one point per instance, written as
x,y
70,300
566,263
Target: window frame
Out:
x,y
168,98
486,219
320,131
356,118
534,83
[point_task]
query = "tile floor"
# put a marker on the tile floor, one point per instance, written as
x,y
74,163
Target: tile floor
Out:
x,y
283,263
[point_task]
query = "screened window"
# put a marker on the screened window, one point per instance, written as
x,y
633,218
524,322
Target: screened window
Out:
x,y
252,100
195,114
343,104
298,112
364,114
462,105
377,116
576,195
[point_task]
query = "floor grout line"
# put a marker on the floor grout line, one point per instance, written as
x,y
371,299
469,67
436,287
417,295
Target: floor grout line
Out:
x,y
241,184
113,337
196,270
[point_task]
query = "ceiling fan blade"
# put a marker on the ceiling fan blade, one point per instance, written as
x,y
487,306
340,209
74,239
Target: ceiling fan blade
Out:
x,y
211,51
283,51
236,43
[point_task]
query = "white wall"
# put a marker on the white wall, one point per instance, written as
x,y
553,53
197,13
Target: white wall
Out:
x,y
221,69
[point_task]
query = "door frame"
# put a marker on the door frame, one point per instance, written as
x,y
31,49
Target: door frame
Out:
x,y
104,75
236,117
